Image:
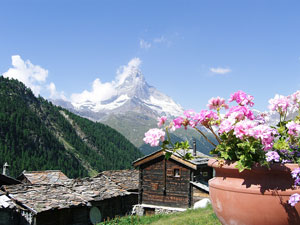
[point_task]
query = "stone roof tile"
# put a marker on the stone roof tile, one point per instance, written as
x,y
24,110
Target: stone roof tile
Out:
x,y
45,177
42,197
127,179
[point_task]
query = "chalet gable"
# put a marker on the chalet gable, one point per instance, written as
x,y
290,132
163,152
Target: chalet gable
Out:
x,y
199,158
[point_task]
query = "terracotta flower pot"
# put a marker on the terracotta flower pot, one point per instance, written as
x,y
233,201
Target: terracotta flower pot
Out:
x,y
253,197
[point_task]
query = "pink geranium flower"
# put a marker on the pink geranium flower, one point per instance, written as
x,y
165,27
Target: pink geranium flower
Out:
x,y
161,121
295,98
294,128
266,134
154,136
189,113
226,125
240,112
242,98
279,103
217,103
178,122
244,129
206,117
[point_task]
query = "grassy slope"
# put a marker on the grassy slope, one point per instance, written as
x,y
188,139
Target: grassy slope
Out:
x,y
190,217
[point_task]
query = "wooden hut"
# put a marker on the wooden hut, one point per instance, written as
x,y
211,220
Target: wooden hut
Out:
x,y
173,184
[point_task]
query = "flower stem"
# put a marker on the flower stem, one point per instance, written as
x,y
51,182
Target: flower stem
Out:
x,y
217,137
205,136
169,139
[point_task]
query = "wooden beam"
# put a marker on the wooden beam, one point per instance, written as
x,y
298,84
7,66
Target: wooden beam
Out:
x,y
162,152
147,159
184,162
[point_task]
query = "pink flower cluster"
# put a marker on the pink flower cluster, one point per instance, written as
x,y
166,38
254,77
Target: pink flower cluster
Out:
x,y
153,136
226,125
266,134
205,118
242,98
295,97
244,129
249,128
280,103
240,113
217,103
294,129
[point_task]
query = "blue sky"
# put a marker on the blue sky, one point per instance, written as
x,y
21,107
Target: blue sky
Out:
x,y
190,50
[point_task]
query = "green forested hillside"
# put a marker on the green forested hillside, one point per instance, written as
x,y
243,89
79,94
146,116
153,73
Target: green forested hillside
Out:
x,y
36,135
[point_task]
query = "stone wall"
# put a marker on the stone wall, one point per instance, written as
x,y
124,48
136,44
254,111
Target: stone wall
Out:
x,y
142,209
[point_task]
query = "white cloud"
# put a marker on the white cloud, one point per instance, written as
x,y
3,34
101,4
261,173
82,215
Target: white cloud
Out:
x,y
54,94
33,76
104,91
100,92
124,71
160,39
144,44
220,70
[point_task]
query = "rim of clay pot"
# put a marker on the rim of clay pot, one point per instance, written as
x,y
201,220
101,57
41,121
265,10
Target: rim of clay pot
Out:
x,y
230,165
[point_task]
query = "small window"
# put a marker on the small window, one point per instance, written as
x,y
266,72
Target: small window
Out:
x,y
176,173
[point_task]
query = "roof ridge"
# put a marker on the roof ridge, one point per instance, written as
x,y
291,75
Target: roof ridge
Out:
x,y
40,171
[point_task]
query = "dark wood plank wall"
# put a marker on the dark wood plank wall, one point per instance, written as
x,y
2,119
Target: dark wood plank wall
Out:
x,y
163,188
204,173
118,206
71,216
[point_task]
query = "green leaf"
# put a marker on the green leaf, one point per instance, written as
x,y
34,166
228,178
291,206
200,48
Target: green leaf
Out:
x,y
168,155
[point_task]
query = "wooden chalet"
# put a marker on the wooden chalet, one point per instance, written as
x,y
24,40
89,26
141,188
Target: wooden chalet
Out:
x,y
175,182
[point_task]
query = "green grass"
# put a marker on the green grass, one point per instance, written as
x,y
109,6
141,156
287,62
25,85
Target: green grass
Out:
x,y
190,217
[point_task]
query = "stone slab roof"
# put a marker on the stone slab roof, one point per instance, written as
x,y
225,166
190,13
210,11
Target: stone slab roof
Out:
x,y
39,197
44,177
126,179
97,188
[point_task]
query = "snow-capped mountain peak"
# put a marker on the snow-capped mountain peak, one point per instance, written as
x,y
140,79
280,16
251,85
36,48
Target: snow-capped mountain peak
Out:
x,y
129,92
